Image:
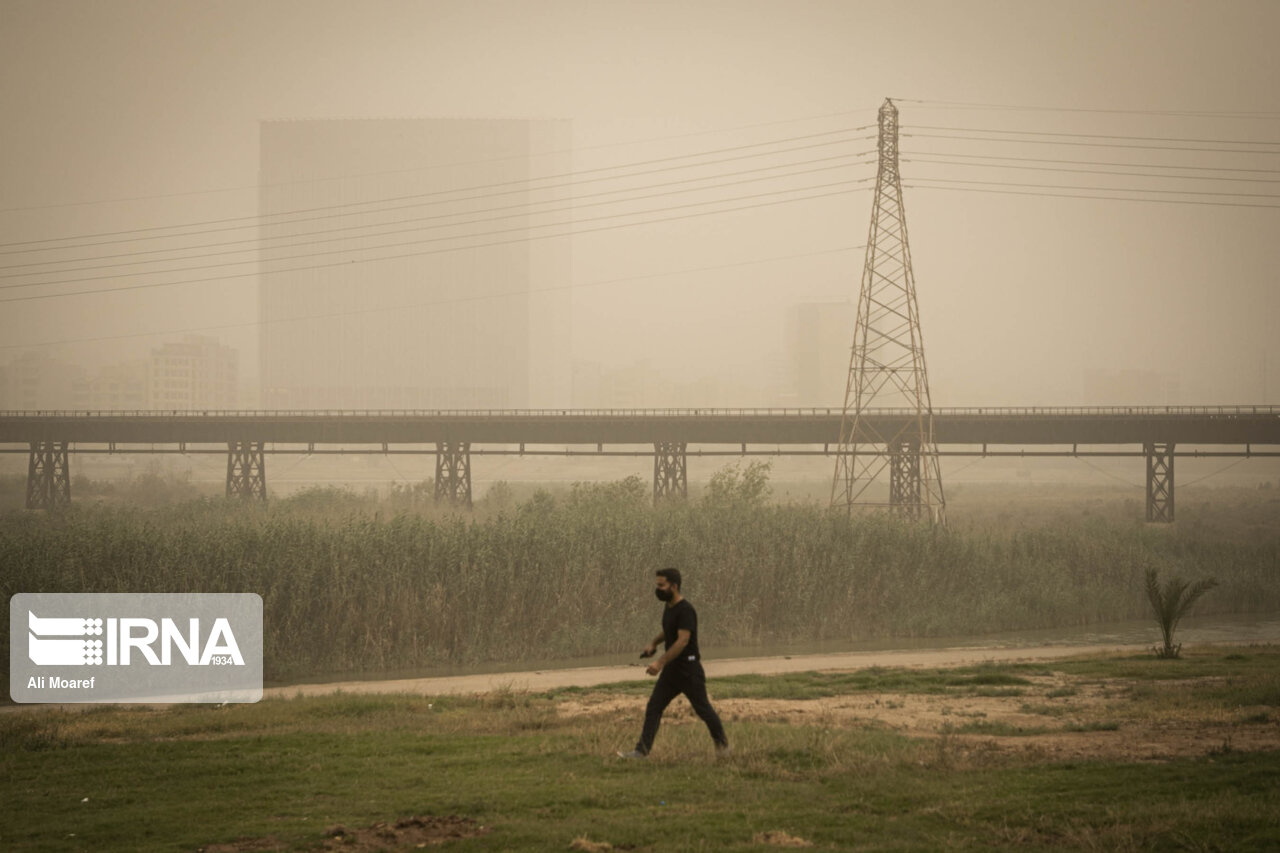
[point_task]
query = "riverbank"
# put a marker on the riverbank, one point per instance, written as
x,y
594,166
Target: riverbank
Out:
x,y
535,681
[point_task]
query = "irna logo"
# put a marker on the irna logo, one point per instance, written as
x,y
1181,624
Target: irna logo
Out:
x,y
135,647
79,641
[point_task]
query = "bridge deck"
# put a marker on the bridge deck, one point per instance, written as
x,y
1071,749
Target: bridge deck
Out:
x,y
1207,425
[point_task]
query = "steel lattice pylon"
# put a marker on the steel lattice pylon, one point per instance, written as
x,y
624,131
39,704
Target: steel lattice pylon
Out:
x,y
453,472
48,476
246,470
670,470
887,367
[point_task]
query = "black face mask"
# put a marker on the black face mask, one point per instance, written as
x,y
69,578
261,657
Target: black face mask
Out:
x,y
664,594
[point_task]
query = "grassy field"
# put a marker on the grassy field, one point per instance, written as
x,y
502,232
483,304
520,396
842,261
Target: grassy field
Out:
x,y
354,584
879,759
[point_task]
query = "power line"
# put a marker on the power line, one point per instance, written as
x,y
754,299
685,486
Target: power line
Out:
x,y
404,243
1100,162
1217,114
258,242
951,475
1106,189
1222,470
437,302
574,150
257,219
1108,473
480,245
1096,135
914,185
1087,171
1085,144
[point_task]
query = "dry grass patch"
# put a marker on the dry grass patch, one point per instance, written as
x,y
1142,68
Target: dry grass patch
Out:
x,y
1054,716
779,838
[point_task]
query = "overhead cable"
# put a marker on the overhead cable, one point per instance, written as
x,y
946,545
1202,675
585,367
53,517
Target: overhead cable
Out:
x,y
257,219
914,185
1095,162
261,243
532,154
1095,135
848,184
437,302
1088,144
1087,171
1213,114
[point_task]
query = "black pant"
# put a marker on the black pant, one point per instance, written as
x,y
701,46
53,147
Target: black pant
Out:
x,y
680,676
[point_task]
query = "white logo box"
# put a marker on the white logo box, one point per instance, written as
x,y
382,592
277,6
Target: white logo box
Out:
x,y
135,647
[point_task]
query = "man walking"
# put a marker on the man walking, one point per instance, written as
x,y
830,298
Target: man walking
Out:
x,y
679,670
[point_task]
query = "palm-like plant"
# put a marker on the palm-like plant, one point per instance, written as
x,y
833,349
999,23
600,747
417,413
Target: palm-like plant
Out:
x,y
1172,603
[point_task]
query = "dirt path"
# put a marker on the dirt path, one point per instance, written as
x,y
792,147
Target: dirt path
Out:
x,y
548,679
1048,717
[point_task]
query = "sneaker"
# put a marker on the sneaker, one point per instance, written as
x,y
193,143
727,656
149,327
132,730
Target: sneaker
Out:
x,y
723,750
635,753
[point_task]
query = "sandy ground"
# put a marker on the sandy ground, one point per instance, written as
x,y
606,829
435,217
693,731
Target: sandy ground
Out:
x,y
1067,734
540,680
1091,721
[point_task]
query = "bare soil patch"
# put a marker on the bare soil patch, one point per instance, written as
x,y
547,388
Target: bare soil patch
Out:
x,y
242,845
407,833
1055,718
778,838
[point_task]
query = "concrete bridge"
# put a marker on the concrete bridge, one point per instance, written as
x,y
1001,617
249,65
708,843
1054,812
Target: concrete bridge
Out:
x,y
1159,434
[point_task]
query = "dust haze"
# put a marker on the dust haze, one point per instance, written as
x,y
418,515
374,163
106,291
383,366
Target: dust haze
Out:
x,y
696,184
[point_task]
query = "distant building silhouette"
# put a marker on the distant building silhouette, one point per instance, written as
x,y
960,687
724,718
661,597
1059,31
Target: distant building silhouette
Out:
x,y
817,339
197,372
369,294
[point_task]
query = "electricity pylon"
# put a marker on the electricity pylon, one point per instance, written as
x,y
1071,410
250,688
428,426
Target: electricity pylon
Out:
x,y
886,367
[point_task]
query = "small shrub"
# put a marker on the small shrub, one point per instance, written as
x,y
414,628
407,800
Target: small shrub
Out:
x,y
1170,604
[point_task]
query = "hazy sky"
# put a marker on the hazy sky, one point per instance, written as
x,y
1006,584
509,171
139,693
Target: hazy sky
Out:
x,y
1019,293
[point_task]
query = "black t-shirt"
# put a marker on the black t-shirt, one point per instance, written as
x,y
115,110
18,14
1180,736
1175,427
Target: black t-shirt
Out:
x,y
680,617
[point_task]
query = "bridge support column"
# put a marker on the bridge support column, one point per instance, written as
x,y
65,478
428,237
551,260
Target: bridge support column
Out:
x,y
1159,482
904,479
453,472
670,478
48,475
246,470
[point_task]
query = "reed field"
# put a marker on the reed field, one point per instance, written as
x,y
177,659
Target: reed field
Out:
x,y
355,583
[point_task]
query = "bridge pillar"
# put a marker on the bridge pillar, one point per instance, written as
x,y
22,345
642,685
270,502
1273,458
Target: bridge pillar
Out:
x,y
904,479
670,478
246,470
453,472
1159,482
48,475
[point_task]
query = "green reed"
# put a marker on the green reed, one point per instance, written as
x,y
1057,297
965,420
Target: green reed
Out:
x,y
354,584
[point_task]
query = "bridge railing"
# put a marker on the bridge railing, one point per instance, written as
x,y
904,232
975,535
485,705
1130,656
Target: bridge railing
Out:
x,y
790,411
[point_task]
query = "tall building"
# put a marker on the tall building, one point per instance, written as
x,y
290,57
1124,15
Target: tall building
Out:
x,y
404,265
197,372
817,339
